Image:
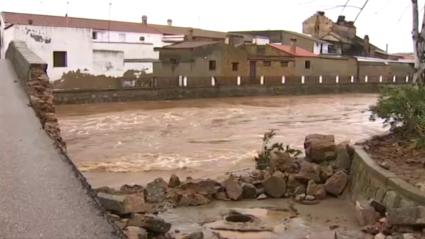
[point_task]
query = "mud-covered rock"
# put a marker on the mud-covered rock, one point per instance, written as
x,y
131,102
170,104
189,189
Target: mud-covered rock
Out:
x,y
365,214
130,189
122,204
335,185
275,185
233,188
206,187
283,162
309,171
193,235
156,191
292,184
343,157
249,191
133,232
174,181
319,147
190,198
152,223
316,190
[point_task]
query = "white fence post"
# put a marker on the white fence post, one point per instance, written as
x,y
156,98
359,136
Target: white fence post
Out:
x,y
366,78
283,80
380,79
238,80
407,79
352,79
262,80
394,78
180,81
302,79
337,79
320,79
185,81
212,81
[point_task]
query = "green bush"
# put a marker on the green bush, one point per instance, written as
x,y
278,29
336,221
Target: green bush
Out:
x,y
403,109
263,158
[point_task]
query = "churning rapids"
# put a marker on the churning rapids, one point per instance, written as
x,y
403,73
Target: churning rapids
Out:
x,y
134,142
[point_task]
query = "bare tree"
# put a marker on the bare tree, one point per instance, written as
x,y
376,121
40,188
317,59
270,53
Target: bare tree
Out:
x,y
418,44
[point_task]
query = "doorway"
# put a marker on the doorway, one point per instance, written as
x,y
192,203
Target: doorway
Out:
x,y
252,70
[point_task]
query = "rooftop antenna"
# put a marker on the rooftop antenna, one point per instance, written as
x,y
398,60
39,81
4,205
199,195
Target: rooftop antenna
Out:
x,y
109,21
67,8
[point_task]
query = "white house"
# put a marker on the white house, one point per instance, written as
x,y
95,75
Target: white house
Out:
x,y
91,46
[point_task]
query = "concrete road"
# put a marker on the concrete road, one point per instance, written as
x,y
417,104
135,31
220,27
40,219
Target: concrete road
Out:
x,y
40,196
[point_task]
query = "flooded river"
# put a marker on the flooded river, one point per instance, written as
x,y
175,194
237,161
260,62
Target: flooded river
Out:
x,y
132,142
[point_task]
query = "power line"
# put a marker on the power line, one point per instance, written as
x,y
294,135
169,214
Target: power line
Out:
x,y
361,9
345,5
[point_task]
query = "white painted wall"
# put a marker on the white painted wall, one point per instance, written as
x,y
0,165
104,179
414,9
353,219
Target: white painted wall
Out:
x,y
130,37
80,48
45,40
323,45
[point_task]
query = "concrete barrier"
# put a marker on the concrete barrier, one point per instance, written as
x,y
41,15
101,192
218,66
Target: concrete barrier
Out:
x,y
369,180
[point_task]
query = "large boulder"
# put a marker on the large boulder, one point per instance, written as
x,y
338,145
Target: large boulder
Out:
x,y
335,185
206,187
122,204
275,185
319,147
156,191
283,162
407,216
343,157
151,223
130,189
233,188
309,171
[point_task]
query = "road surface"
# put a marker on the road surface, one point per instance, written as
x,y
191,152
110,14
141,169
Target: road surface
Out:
x,y
40,196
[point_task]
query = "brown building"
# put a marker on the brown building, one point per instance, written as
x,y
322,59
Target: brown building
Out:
x,y
342,35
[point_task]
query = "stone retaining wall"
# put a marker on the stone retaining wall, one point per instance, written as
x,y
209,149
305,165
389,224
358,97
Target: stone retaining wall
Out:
x,y
97,96
369,180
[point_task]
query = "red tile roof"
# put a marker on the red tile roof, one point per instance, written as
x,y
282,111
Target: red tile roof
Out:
x,y
300,52
57,21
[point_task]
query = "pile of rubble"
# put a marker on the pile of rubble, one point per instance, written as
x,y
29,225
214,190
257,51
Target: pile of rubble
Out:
x,y
392,223
40,93
323,172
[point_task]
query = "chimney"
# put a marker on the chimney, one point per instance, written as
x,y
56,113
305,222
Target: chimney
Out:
x,y
145,19
366,46
169,22
341,19
321,13
293,45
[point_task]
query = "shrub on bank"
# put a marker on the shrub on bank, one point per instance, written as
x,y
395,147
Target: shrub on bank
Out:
x,y
403,109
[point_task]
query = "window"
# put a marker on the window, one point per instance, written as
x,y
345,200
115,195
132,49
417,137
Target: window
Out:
x,y
235,66
59,59
142,38
94,35
307,64
212,65
284,64
267,63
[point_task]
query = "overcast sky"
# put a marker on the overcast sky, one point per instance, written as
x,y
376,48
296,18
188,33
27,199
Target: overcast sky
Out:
x,y
385,21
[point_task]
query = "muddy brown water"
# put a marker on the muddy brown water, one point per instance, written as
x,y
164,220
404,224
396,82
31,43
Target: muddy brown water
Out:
x,y
134,142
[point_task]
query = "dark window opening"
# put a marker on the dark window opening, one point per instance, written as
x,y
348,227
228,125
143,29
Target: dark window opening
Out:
x,y
142,38
94,35
235,66
267,63
59,59
307,64
212,65
284,64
